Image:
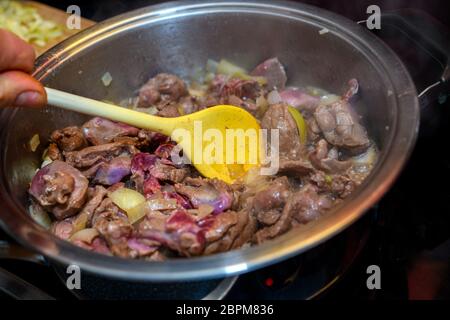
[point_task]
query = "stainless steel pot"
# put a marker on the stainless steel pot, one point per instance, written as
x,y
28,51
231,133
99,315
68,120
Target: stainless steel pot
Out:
x,y
178,37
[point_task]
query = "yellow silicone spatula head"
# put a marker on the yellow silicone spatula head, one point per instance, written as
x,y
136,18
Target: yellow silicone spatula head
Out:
x,y
221,142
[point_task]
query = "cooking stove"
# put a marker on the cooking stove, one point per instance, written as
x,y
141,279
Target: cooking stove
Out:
x,y
407,235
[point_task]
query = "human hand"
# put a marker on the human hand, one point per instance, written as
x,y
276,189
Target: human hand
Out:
x,y
17,87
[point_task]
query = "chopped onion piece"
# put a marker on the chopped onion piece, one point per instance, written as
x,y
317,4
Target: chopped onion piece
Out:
x,y
317,92
136,213
40,216
130,201
255,181
162,204
329,99
107,79
45,155
227,68
241,75
196,92
204,210
301,124
34,142
261,105
129,103
261,102
273,97
85,235
209,77
151,110
80,222
46,162
367,159
27,23
261,80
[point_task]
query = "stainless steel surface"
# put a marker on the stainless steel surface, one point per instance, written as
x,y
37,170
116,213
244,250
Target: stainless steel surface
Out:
x,y
222,289
16,252
178,37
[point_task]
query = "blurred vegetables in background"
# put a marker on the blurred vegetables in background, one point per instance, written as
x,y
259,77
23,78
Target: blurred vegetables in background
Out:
x,y
27,23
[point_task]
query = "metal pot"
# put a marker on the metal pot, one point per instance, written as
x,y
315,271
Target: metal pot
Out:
x,y
178,37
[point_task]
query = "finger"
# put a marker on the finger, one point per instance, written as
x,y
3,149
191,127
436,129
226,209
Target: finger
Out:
x,y
21,90
15,54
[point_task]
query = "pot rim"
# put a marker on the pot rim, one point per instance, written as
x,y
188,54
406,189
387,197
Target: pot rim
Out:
x,y
399,147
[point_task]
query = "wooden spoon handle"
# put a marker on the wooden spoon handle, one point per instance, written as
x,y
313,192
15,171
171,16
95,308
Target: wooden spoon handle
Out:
x,y
84,105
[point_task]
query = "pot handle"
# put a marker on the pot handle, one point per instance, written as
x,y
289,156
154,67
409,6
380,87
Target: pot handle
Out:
x,y
15,252
20,289
430,36
14,286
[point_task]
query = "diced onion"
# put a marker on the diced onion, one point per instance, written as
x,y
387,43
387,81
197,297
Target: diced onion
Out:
x,y
301,124
273,97
196,92
367,159
262,105
261,102
255,181
46,162
126,198
161,204
45,158
261,80
227,68
45,155
204,210
242,75
181,110
317,92
40,216
209,77
151,110
363,164
130,201
34,142
129,103
85,235
80,222
136,213
107,79
329,99
27,23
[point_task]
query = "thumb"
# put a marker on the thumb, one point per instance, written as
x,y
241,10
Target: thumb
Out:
x,y
18,89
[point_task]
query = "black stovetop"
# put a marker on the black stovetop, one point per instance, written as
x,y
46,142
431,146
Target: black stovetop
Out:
x,y
410,228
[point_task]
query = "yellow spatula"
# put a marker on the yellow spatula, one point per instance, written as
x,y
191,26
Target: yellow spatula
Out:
x,y
222,142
